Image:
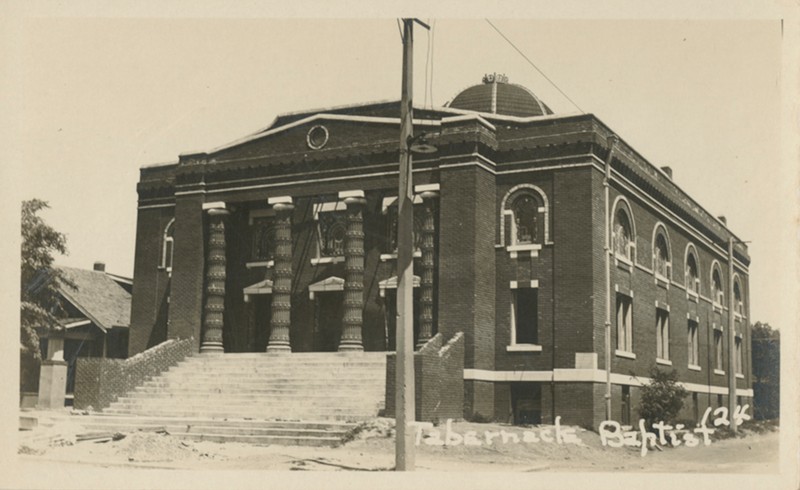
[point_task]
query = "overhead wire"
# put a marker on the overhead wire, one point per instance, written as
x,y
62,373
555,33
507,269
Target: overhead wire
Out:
x,y
534,65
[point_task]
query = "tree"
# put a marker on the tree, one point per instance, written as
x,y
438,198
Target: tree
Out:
x,y
38,288
766,371
662,399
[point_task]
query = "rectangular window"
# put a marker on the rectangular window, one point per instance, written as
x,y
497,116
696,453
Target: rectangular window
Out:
x,y
624,323
662,334
525,316
738,355
693,350
718,350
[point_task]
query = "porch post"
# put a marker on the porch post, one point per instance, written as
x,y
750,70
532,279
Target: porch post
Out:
x,y
351,339
215,280
426,284
279,339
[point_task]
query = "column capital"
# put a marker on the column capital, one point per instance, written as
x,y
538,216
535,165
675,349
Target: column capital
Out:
x,y
208,206
353,201
423,188
344,195
279,200
429,195
218,212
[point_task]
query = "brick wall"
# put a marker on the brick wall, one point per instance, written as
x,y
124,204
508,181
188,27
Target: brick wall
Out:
x,y
186,298
100,381
438,380
149,302
573,263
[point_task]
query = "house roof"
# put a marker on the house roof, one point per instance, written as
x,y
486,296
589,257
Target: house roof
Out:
x,y
98,297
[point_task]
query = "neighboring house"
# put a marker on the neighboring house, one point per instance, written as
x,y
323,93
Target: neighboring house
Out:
x,y
285,241
95,318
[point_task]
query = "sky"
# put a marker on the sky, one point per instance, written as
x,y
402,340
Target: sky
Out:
x,y
97,98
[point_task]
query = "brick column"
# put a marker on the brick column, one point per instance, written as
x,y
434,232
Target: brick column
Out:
x,y
279,337
215,280
354,272
426,284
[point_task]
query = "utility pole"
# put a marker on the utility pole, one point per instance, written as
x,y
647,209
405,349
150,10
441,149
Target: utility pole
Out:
x,y
608,252
404,368
731,341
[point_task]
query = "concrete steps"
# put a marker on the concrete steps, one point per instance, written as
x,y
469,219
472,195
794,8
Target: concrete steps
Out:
x,y
321,433
245,398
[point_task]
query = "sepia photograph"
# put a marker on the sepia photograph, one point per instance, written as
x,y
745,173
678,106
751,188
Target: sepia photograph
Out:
x,y
285,249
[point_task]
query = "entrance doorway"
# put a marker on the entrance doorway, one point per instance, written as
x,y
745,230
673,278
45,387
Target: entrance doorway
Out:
x,y
261,322
328,321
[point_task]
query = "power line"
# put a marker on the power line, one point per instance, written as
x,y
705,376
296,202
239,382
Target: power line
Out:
x,y
533,65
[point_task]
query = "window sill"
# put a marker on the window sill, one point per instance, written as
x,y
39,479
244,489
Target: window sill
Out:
x,y
694,367
267,264
393,256
621,259
720,372
739,376
623,263
327,260
625,354
531,248
661,281
524,348
665,362
692,296
716,307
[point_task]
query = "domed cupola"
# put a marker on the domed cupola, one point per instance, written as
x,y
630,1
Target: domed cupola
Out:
x,y
496,96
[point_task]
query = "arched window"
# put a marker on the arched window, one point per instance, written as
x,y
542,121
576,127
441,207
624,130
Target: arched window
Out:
x,y
333,239
623,243
525,212
523,217
717,294
263,239
738,304
692,277
391,231
661,261
167,246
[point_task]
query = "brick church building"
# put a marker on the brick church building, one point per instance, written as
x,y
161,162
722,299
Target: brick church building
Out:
x,y
285,242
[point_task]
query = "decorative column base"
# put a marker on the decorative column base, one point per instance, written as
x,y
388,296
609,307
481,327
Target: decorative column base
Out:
x,y
279,348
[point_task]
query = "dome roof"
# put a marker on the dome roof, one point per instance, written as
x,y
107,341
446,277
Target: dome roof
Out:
x,y
496,96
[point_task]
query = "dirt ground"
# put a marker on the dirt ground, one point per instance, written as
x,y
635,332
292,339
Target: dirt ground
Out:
x,y
372,450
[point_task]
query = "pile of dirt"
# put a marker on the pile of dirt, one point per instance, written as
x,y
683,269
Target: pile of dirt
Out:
x,y
380,428
148,447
